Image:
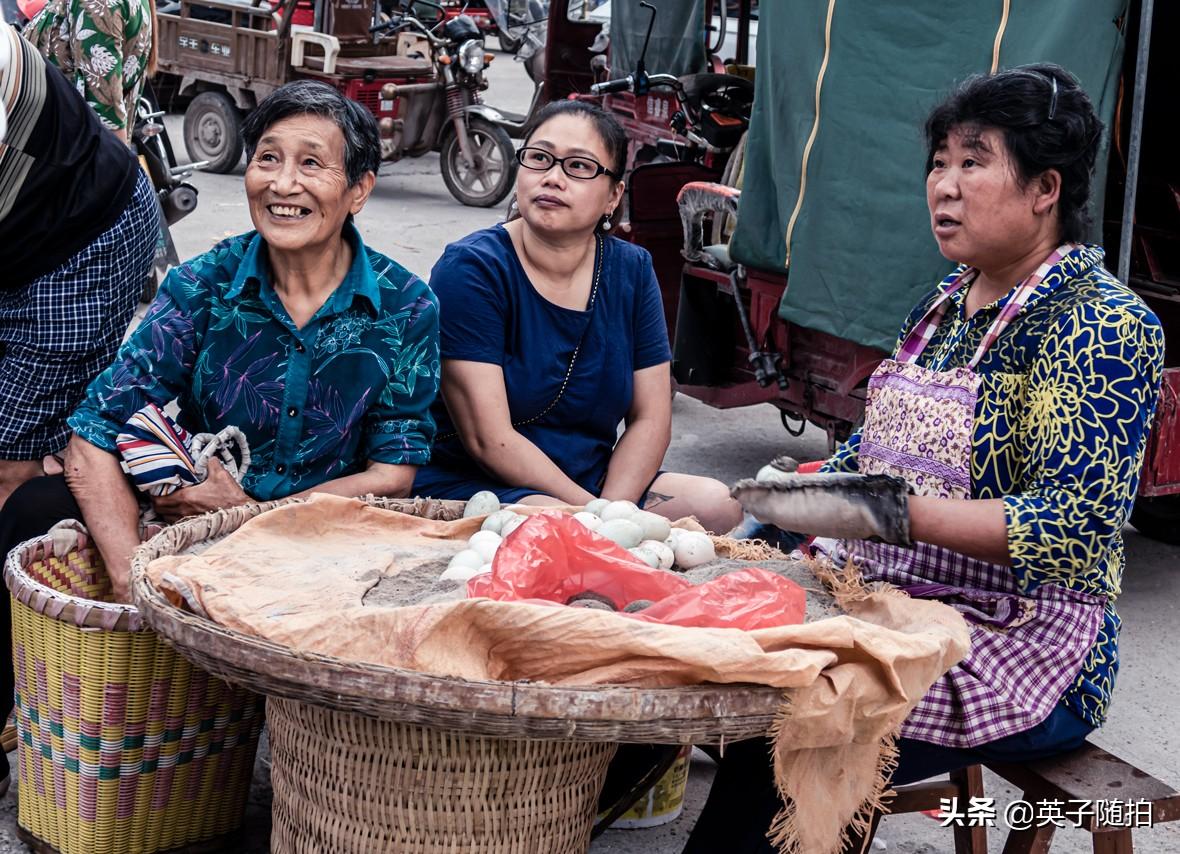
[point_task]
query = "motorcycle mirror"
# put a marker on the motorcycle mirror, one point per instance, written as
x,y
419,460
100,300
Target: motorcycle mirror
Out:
x,y
640,67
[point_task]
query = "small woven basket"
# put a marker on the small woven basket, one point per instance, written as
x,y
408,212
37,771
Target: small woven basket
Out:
x,y
124,746
351,784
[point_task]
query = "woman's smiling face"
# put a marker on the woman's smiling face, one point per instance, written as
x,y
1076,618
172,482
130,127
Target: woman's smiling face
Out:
x,y
297,184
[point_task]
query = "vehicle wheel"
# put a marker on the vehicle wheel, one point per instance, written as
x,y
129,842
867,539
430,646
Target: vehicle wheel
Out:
x,y
508,44
490,179
213,131
1158,518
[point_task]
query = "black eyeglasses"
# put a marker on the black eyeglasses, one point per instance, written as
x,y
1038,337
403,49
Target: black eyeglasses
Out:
x,y
582,168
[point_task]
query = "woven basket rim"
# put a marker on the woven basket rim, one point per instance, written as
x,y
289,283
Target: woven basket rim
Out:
x,y
57,605
386,692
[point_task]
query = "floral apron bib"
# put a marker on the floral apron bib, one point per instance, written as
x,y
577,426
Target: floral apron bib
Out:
x,y
1027,647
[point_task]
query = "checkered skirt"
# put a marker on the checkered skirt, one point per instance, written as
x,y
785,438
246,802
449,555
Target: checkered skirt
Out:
x,y
1027,647
59,331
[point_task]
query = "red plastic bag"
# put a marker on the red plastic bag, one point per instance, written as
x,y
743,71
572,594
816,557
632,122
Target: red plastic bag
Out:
x,y
749,599
552,557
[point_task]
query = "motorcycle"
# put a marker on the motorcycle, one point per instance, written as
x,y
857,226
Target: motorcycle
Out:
x,y
708,112
175,196
476,155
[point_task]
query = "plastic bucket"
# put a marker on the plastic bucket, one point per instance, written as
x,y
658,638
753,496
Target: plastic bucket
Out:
x,y
663,802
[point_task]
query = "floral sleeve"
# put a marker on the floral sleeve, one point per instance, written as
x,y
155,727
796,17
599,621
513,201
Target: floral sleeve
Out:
x,y
846,458
399,429
1090,400
108,59
155,365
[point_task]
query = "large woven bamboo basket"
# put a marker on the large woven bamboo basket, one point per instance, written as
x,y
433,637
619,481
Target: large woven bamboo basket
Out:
x,y
123,745
707,714
368,758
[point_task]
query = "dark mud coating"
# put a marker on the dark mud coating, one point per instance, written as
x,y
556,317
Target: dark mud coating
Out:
x,y
420,585
820,603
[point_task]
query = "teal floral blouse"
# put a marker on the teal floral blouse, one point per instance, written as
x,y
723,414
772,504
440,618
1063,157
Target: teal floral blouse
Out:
x,y
354,385
1061,424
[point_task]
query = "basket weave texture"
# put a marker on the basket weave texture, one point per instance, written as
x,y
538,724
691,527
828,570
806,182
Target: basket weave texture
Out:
x,y
123,745
354,785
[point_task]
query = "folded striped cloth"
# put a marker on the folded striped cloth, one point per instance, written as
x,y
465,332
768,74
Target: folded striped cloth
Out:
x,y
162,457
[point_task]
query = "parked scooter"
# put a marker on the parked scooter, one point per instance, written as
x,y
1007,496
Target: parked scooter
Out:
x,y
476,156
527,27
177,198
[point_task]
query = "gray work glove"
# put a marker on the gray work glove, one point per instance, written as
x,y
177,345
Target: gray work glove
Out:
x,y
847,506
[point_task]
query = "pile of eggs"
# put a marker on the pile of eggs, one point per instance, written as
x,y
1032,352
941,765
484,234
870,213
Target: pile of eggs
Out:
x,y
648,536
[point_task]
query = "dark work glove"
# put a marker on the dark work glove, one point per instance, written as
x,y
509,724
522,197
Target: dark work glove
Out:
x,y
847,506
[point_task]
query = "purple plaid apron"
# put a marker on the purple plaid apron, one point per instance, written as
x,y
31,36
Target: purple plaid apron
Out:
x,y
1027,647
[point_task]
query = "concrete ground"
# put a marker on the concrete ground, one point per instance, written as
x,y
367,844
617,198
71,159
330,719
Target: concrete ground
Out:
x,y
411,217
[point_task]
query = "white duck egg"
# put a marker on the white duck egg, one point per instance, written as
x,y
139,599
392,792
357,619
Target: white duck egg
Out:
x,y
495,522
512,524
647,556
589,520
485,543
484,570
622,531
662,550
770,474
693,549
655,526
597,506
619,510
481,504
458,573
469,558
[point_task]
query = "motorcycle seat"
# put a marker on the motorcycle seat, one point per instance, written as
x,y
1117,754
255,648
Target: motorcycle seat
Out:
x,y
382,66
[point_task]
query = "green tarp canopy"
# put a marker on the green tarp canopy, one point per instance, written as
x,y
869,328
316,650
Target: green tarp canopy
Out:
x,y
677,37
860,250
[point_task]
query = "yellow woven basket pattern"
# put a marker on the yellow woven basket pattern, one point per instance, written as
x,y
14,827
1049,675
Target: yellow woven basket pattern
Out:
x,y
123,745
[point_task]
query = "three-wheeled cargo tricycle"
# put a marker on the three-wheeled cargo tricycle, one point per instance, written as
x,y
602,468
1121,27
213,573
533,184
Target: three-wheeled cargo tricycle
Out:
x,y
422,77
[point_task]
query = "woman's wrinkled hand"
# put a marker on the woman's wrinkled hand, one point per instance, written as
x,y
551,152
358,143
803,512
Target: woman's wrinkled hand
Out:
x,y
217,492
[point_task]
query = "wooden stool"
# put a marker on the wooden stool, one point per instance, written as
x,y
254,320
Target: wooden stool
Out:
x,y
929,795
1088,774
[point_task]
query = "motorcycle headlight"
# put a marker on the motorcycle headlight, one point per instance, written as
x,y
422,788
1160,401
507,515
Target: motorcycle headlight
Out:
x,y
471,56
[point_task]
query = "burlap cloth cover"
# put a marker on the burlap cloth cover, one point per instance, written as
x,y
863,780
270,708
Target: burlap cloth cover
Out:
x,y
297,575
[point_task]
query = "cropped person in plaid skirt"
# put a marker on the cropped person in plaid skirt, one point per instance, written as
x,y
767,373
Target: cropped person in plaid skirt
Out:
x,y
78,231
1004,438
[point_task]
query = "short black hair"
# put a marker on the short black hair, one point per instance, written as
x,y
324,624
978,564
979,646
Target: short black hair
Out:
x,y
605,125
1047,121
362,141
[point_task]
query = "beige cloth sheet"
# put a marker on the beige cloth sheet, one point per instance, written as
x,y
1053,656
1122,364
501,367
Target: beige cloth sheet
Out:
x,y
297,575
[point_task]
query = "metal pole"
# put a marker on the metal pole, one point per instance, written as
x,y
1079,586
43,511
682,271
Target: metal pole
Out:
x,y
743,32
1142,53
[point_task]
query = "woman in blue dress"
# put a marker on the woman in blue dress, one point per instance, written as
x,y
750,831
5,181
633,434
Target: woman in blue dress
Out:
x,y
552,334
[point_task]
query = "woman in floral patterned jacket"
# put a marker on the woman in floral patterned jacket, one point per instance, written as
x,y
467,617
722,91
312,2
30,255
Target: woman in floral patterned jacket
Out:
x,y
106,48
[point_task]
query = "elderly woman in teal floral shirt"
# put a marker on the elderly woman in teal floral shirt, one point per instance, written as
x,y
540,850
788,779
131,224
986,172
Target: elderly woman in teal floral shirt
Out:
x,y
322,351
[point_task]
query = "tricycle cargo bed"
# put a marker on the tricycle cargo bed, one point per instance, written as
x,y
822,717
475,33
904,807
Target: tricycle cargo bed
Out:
x,y
248,60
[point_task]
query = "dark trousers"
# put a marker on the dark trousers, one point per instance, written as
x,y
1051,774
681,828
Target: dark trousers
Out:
x,y
743,799
32,509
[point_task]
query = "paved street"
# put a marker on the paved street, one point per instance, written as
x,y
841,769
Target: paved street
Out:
x,y
411,217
